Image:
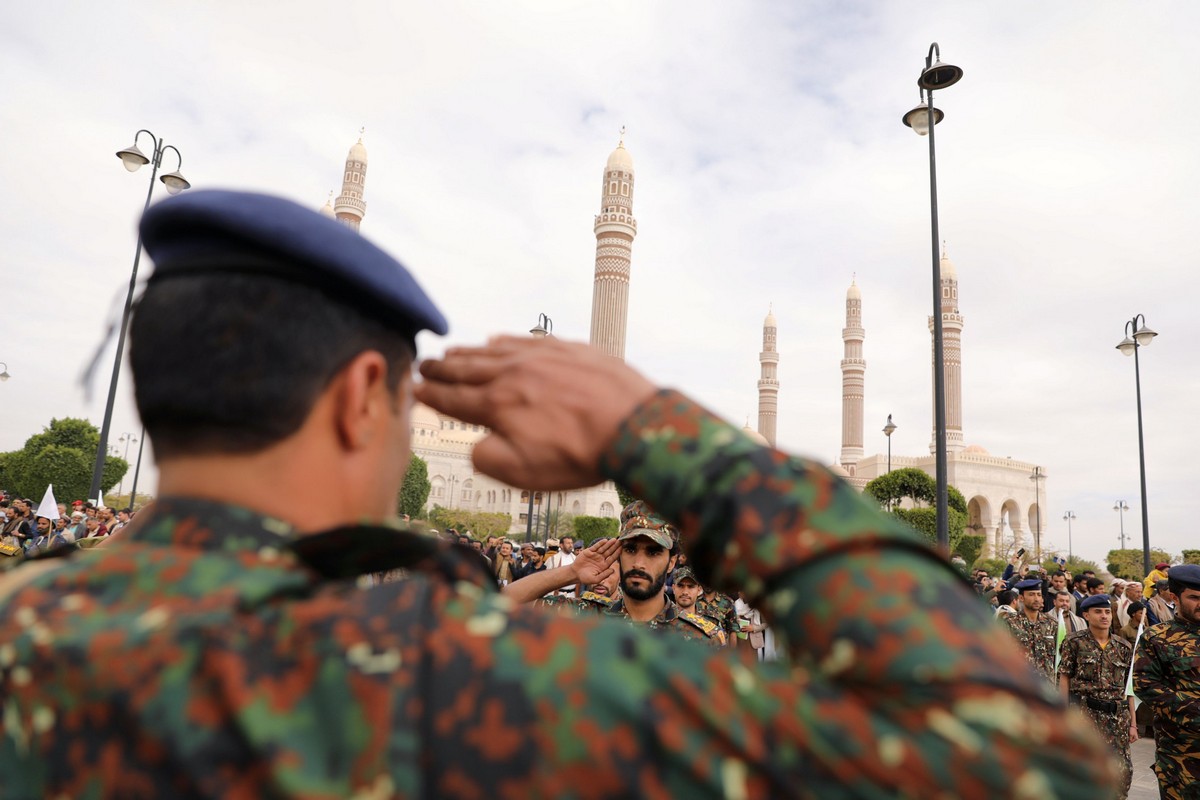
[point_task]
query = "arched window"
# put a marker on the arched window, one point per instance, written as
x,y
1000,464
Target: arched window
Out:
x,y
606,509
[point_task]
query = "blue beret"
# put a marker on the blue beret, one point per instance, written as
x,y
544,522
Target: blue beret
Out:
x,y
1028,585
1187,574
1095,601
213,231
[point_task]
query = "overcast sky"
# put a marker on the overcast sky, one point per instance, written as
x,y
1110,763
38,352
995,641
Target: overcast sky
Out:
x,y
771,166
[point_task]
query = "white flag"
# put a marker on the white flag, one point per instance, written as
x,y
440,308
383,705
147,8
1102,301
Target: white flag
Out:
x,y
1129,681
48,507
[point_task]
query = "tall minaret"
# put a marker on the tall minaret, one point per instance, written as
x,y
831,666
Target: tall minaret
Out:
x,y
615,228
952,325
854,369
349,206
768,382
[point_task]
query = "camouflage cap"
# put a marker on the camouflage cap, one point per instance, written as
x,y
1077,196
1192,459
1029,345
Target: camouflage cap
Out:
x,y
685,573
637,519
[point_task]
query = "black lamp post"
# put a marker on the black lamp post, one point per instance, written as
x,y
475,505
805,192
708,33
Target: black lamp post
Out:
x,y
1135,339
1037,477
1069,517
1121,506
128,439
922,120
137,470
888,430
544,328
133,159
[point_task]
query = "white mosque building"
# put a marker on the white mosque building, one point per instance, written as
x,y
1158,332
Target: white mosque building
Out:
x,y
1003,494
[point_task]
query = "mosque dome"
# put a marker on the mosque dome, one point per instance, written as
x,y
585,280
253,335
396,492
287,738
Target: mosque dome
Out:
x,y
619,159
769,322
755,436
976,449
853,293
358,152
839,470
327,209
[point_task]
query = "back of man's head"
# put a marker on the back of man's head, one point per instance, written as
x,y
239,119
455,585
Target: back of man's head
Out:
x,y
1006,598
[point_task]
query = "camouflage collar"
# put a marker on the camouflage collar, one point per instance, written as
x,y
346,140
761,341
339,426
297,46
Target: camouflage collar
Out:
x,y
340,553
670,610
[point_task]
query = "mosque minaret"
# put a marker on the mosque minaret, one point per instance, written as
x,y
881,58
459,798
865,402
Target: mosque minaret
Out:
x,y
349,206
615,230
854,368
952,325
768,382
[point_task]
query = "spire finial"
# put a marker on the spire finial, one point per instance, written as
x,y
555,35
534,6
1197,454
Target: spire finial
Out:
x,y
853,278
361,131
770,308
943,248
622,142
331,195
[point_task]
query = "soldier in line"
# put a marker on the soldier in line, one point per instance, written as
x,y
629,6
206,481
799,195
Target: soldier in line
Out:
x,y
720,607
1036,632
1166,676
220,646
645,552
1093,672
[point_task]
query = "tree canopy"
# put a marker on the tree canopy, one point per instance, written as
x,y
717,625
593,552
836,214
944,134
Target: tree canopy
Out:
x,y
910,483
415,489
63,454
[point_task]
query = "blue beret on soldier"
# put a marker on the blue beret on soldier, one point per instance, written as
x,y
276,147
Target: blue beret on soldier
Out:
x,y
1187,574
213,231
1095,601
1028,585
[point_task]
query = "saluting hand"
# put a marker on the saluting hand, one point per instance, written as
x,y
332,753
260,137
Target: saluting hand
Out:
x,y
553,407
596,563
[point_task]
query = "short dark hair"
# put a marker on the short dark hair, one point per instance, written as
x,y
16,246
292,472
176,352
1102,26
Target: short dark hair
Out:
x,y
1135,606
234,363
1092,583
1078,579
1006,597
1057,573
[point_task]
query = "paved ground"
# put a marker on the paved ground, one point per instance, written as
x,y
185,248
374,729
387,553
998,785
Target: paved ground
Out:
x,y
1145,785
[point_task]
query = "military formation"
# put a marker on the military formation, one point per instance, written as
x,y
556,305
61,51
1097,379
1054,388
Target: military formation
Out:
x,y
1096,669
222,646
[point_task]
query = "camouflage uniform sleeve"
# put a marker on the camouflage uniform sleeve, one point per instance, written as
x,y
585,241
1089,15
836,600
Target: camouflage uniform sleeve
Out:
x,y
1066,667
1152,686
898,667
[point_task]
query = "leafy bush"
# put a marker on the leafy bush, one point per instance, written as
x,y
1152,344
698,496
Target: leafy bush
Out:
x,y
1127,564
589,529
1191,556
414,492
969,547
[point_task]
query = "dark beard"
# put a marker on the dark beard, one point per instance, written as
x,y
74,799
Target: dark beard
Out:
x,y
652,590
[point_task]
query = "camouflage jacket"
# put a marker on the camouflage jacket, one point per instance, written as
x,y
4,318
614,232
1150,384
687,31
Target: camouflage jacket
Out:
x,y
211,652
721,609
1096,672
1166,674
1037,639
672,618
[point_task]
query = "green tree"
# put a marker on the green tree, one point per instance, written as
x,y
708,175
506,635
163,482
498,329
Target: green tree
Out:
x,y
589,529
415,489
1127,564
969,547
915,485
1191,556
481,524
626,497
63,454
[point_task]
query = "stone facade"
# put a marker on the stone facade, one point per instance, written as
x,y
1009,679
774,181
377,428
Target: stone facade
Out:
x,y
615,229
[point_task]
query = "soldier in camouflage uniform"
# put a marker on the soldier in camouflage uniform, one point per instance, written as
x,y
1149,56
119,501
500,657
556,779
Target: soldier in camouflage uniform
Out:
x,y
719,607
1166,675
1035,632
646,537
1093,672
220,647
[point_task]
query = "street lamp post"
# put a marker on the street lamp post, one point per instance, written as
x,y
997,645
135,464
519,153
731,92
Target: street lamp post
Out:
x,y
133,159
888,430
137,470
1121,506
4,375
922,120
544,328
127,438
1069,517
1037,477
1135,339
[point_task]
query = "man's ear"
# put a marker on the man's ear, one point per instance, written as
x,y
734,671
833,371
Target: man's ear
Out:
x,y
360,399
671,564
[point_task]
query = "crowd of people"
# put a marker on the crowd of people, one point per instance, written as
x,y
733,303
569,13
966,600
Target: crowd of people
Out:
x,y
1083,636
27,529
